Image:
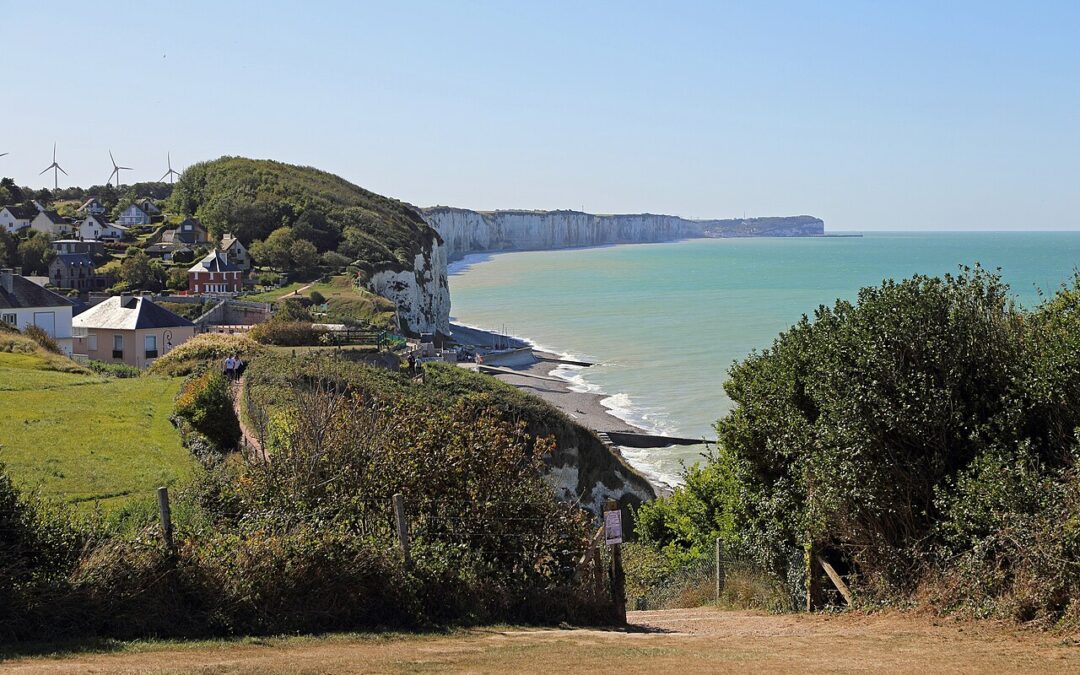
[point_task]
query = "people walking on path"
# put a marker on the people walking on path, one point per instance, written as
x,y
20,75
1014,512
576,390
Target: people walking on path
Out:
x,y
230,366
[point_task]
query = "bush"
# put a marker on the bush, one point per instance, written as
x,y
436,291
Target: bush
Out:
x,y
44,340
119,370
287,333
208,349
929,422
206,404
317,298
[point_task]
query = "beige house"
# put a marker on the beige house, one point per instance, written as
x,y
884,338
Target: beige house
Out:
x,y
128,329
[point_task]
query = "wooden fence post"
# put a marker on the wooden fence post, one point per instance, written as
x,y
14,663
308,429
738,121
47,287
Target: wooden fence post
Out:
x,y
813,585
837,581
618,578
719,567
402,527
166,518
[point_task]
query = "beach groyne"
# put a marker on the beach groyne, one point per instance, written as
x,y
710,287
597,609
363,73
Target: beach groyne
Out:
x,y
465,231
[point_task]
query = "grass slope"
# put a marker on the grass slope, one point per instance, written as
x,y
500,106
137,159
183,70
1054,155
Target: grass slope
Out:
x,y
84,439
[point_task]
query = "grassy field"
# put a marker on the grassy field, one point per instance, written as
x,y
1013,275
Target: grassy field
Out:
x,y
84,439
277,293
345,302
698,640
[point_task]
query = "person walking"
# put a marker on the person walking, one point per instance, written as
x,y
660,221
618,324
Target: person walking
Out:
x,y
230,366
412,363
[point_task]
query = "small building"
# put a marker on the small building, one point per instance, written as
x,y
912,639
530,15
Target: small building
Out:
x,y
97,227
234,252
170,250
15,218
129,329
72,270
150,207
90,247
134,215
92,207
52,223
191,232
24,303
213,275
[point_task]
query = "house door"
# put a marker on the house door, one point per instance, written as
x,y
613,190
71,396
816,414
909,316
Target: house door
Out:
x,y
46,321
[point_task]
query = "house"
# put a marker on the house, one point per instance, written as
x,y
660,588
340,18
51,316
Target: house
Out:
x,y
169,250
214,275
134,215
128,329
90,247
72,270
149,207
15,218
51,223
92,207
234,251
24,303
97,227
191,232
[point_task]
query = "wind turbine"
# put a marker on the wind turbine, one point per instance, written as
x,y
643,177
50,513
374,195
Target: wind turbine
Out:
x,y
170,173
55,167
116,171
2,154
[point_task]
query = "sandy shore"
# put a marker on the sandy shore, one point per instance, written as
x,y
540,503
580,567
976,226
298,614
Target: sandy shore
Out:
x,y
584,408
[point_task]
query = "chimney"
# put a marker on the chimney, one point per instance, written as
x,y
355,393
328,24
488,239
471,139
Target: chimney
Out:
x,y
7,280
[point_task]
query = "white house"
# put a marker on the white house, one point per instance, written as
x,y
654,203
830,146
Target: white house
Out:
x,y
50,222
234,251
23,303
15,218
134,215
93,207
149,207
96,227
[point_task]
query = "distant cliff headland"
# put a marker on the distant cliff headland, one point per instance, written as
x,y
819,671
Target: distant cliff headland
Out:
x,y
464,231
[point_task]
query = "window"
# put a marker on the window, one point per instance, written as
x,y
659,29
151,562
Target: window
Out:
x,y
9,319
46,321
118,347
91,342
150,346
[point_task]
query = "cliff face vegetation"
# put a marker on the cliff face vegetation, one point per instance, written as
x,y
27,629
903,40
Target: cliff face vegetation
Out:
x,y
253,198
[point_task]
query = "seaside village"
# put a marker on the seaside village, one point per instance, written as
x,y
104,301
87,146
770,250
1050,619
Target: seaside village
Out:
x,y
95,316
79,299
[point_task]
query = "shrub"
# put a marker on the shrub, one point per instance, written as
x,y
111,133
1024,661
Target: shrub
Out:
x,y
119,370
292,309
287,333
44,340
317,298
929,423
205,402
208,349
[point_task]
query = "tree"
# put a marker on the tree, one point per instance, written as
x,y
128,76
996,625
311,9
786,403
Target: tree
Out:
x,y
304,257
35,254
276,250
137,270
177,279
10,193
9,250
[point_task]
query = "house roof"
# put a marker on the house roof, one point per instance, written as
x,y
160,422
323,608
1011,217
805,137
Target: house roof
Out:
x,y
90,201
54,217
137,205
74,259
25,293
214,262
105,223
166,247
126,312
228,241
22,211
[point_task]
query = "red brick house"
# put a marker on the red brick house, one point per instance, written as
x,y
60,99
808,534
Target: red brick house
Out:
x,y
214,275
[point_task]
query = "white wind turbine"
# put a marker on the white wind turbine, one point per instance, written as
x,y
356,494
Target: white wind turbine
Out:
x,y
55,167
170,173
116,171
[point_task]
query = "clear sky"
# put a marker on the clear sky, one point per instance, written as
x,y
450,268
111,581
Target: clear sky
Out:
x,y
915,115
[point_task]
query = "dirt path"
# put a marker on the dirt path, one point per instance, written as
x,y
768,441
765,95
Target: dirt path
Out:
x,y
673,641
248,440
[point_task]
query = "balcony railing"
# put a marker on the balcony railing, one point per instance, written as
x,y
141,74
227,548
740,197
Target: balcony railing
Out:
x,y
151,353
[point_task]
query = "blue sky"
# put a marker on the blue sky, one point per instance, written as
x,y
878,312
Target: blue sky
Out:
x,y
936,115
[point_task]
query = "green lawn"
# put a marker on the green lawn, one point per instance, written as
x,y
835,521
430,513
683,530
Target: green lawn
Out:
x,y
276,294
84,439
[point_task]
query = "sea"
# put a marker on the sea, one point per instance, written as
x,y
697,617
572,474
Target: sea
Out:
x,y
663,323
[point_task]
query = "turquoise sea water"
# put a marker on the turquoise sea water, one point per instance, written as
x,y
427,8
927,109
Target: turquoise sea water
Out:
x,y
664,322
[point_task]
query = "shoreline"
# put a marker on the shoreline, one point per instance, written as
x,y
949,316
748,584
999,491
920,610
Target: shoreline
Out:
x,y
533,375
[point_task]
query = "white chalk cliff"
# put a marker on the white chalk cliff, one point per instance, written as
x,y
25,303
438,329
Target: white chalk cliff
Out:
x,y
465,231
421,294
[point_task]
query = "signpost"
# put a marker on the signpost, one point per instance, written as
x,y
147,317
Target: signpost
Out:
x,y
613,536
